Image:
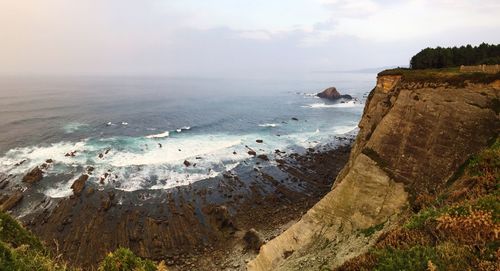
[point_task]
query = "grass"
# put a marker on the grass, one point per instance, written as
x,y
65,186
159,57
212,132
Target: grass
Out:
x,y
20,250
451,76
123,260
416,258
373,229
15,235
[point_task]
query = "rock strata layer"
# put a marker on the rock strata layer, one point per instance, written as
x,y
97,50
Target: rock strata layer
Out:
x,y
412,139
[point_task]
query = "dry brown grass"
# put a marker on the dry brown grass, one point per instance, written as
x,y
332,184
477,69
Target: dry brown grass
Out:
x,y
360,263
402,238
477,228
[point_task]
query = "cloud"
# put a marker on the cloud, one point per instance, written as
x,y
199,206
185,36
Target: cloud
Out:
x,y
231,37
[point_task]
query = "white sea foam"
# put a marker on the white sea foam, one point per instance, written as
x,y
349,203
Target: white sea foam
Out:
x,y
73,127
60,190
169,153
124,123
269,125
339,130
183,128
162,135
138,163
338,105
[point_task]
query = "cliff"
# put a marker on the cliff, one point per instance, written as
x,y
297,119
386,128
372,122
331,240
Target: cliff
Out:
x,y
417,130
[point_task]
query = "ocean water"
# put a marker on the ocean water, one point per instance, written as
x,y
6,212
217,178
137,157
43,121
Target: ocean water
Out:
x,y
139,131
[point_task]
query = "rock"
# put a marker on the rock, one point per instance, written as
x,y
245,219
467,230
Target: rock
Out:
x,y
20,163
35,175
333,94
90,169
222,218
12,201
79,184
90,191
253,240
101,155
187,163
295,119
70,154
49,161
234,152
4,184
259,141
108,201
252,152
263,157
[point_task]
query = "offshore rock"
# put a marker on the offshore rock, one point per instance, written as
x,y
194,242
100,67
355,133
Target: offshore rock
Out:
x,y
333,94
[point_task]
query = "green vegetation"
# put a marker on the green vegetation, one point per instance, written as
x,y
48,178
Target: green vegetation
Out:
x,y
456,230
450,76
20,250
373,229
123,260
437,58
415,258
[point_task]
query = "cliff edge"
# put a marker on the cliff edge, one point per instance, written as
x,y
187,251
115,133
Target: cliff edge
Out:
x,y
418,128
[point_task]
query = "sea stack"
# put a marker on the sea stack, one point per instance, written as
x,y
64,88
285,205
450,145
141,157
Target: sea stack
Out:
x,y
332,94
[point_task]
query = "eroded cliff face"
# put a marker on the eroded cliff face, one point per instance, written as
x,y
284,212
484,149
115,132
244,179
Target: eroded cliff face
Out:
x,y
413,137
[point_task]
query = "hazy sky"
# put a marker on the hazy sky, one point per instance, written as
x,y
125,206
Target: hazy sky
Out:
x,y
231,38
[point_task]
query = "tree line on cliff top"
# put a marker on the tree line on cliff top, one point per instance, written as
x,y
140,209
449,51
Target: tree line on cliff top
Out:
x,y
437,58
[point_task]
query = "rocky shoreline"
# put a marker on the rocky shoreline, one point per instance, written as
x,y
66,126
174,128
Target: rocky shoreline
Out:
x,y
214,224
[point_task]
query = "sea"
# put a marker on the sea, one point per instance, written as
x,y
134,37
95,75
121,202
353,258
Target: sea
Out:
x,y
139,132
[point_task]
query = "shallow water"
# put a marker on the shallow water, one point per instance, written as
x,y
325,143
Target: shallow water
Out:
x,y
141,130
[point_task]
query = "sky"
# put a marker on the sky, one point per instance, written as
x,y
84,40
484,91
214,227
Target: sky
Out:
x,y
231,38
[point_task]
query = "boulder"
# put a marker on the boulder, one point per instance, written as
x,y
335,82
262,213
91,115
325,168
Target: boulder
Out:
x,y
253,240
79,184
221,218
35,175
12,201
259,141
252,152
263,157
333,94
187,163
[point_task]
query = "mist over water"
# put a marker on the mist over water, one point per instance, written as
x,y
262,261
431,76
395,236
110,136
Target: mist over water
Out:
x,y
140,131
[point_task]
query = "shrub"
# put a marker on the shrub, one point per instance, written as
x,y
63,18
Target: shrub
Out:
x,y
125,260
415,258
476,228
15,235
371,230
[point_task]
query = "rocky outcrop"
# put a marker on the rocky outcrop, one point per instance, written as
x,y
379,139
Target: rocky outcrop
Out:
x,y
35,175
253,240
413,137
11,201
333,94
79,184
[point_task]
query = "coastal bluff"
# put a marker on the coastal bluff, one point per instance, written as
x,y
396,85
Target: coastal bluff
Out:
x,y
417,130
